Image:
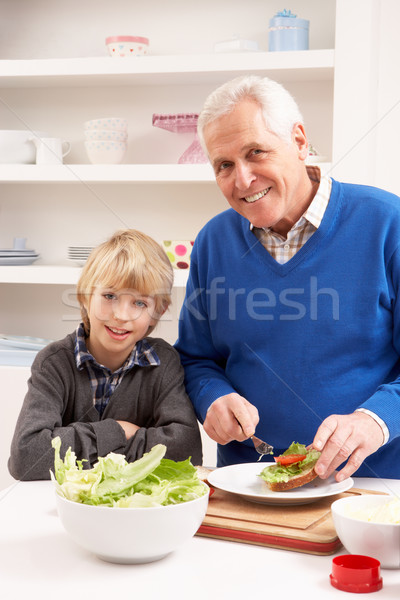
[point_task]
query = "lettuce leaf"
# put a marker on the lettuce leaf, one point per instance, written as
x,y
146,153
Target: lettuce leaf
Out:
x,y
282,473
149,481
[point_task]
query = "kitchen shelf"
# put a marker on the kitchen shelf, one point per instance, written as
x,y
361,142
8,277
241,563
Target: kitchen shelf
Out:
x,y
131,173
305,65
59,275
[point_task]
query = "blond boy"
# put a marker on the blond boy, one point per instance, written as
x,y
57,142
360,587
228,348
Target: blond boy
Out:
x,y
108,387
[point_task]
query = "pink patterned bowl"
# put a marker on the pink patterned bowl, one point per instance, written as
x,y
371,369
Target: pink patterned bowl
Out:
x,y
121,46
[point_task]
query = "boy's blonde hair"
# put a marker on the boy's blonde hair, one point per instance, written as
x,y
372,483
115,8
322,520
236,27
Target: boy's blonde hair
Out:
x,y
131,260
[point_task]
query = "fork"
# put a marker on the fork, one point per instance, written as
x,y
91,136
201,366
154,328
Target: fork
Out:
x,y
261,447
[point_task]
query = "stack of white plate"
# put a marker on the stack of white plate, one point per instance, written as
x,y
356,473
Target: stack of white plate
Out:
x,y
18,350
17,256
79,254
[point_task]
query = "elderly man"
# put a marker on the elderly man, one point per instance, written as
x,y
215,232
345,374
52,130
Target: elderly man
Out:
x,y
290,326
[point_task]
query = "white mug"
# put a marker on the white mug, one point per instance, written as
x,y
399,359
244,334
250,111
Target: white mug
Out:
x,y
19,243
49,151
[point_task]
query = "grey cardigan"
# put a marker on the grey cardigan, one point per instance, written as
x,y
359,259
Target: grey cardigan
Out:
x,y
59,403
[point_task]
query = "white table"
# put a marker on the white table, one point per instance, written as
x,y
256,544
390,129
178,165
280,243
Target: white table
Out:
x,y
38,559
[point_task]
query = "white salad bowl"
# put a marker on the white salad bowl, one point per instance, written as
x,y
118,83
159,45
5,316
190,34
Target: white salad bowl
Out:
x,y
380,540
132,535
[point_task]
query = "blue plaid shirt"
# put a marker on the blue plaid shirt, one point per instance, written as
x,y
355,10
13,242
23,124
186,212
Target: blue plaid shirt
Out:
x,y
102,380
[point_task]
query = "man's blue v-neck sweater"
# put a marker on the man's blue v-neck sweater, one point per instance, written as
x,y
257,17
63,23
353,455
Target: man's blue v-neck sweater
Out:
x,y
315,336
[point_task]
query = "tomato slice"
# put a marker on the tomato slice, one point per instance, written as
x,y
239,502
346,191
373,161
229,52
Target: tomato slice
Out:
x,y
289,459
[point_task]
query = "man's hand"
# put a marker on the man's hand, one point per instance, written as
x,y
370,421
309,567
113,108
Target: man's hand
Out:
x,y
342,437
129,428
229,418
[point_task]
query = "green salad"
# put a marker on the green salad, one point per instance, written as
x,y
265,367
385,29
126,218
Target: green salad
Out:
x,y
149,481
278,473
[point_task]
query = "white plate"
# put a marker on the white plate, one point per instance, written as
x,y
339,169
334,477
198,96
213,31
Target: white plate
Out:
x,y
17,358
16,252
22,342
15,255
242,480
18,261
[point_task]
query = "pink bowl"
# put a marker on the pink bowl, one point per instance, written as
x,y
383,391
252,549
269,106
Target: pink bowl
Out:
x,y
127,45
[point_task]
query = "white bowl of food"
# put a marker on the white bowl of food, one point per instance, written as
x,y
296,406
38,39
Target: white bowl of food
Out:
x,y
105,152
129,513
122,46
110,135
131,535
107,123
369,525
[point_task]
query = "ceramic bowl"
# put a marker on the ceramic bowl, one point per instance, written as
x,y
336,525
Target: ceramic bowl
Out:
x,y
115,135
378,540
104,152
108,123
178,252
132,535
121,46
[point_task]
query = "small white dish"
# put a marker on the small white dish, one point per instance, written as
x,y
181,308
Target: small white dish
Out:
x,y
361,537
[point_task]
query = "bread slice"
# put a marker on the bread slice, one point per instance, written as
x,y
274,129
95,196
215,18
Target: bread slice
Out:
x,y
294,482
203,473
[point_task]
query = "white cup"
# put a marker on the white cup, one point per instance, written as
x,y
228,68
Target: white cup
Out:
x,y
49,151
19,243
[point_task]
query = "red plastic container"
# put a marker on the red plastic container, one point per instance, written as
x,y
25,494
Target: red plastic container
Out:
x,y
356,573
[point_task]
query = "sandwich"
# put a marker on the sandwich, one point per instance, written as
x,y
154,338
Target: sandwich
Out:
x,y
293,468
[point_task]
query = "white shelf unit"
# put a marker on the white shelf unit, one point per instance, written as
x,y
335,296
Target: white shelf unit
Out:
x,y
313,65
79,203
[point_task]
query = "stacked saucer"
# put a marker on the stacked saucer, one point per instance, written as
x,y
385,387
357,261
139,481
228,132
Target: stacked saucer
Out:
x,y
18,255
79,254
19,350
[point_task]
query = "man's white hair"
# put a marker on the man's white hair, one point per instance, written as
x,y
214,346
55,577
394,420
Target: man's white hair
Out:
x,y
279,108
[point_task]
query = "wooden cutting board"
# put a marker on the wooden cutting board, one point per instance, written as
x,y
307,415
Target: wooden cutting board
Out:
x,y
303,528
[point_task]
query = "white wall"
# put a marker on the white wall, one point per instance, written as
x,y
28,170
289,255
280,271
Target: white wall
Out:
x,y
366,120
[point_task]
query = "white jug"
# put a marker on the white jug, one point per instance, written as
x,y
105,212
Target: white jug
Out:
x,y
49,151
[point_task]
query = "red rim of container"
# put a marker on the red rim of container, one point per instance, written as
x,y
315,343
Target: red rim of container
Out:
x,y
356,573
127,38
